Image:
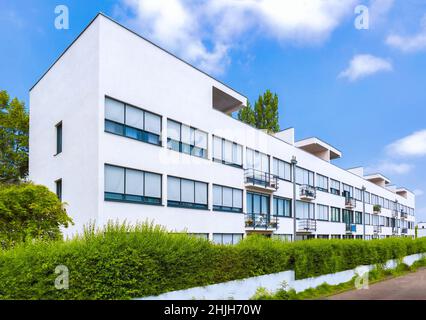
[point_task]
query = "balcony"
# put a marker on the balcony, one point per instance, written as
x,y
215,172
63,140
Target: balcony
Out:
x,y
350,203
261,221
259,180
404,230
350,228
404,215
377,229
307,192
306,226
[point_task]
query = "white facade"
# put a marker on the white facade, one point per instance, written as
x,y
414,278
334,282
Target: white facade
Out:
x,y
110,73
421,229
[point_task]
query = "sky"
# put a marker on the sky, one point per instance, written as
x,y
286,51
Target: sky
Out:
x,y
350,72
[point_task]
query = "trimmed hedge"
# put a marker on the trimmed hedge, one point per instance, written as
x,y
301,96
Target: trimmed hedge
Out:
x,y
123,262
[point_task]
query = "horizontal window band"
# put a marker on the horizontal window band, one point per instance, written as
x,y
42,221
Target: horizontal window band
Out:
x,y
188,205
186,148
120,197
132,133
227,209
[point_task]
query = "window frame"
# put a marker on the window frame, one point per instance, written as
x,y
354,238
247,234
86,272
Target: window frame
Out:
x,y
131,198
184,204
59,137
223,208
275,201
182,146
125,127
222,144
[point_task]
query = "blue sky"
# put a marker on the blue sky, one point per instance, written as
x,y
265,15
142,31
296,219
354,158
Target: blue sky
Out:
x,y
361,90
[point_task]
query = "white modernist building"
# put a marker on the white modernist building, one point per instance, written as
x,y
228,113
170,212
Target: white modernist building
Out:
x,y
123,130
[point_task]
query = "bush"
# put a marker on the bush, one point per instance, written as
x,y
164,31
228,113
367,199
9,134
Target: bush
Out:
x,y
29,211
123,262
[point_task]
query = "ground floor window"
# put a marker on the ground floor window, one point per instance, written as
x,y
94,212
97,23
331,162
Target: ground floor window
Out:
x,y
358,236
199,235
322,236
227,238
283,237
335,236
345,236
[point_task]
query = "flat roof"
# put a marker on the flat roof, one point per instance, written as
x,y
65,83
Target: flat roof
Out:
x,y
137,34
314,144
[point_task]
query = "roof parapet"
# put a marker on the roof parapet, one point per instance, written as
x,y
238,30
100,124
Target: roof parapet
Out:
x,y
286,135
359,171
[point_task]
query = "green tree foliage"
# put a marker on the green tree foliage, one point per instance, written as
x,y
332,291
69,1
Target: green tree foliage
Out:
x,y
246,115
123,262
29,211
14,128
265,113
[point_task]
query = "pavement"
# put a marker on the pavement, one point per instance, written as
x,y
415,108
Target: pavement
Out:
x,y
409,287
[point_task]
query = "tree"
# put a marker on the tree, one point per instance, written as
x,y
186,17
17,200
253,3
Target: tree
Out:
x,y
246,115
29,211
14,130
265,113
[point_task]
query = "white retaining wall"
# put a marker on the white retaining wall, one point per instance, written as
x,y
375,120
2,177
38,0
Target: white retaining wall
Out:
x,y
244,289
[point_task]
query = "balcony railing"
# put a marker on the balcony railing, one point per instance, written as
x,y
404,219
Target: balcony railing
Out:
x,y
404,215
261,221
253,177
350,203
307,192
404,231
377,229
350,228
306,225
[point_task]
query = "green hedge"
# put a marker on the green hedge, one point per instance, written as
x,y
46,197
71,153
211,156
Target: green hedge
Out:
x,y
125,262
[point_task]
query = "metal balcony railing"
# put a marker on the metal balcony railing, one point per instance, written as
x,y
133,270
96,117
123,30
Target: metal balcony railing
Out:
x,y
307,192
350,203
260,179
306,225
377,229
261,221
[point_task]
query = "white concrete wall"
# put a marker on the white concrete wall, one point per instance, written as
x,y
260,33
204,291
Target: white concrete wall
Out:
x,y
69,92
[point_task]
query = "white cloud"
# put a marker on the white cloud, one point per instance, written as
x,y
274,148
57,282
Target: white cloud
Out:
x,y
364,65
418,192
203,32
389,167
412,145
408,43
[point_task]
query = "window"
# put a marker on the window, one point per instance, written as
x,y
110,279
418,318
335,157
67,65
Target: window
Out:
x,y
322,236
367,197
281,169
304,176
381,202
204,236
282,237
185,139
58,185
227,199
322,212
59,138
282,207
348,191
186,193
358,217
374,199
227,238
347,216
227,152
335,187
257,160
335,236
358,194
304,210
335,214
257,203
322,183
367,219
125,120
130,185
387,204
